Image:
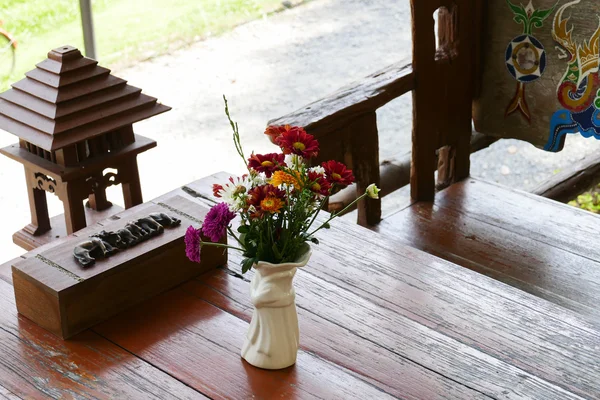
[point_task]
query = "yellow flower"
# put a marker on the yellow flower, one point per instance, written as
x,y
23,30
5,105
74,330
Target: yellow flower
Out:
x,y
280,177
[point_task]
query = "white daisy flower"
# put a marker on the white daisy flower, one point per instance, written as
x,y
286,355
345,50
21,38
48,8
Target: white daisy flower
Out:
x,y
291,160
318,169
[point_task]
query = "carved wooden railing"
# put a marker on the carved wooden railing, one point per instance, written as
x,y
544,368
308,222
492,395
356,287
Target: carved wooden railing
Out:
x,y
345,124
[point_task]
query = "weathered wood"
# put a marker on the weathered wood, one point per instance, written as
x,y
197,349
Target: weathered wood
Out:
x,y
56,292
401,280
366,96
35,364
547,45
571,181
395,174
333,342
199,344
365,164
521,239
444,89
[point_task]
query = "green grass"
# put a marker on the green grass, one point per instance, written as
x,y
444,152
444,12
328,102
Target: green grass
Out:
x,y
127,31
589,200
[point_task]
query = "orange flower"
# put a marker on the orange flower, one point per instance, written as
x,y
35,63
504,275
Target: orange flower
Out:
x,y
271,204
280,177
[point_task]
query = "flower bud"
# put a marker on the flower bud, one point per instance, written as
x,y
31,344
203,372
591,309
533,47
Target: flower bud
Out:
x,y
373,191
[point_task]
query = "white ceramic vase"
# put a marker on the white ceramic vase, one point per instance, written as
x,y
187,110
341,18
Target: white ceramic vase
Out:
x,y
273,337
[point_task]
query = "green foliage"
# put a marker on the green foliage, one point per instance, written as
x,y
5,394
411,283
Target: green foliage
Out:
x,y
589,201
127,31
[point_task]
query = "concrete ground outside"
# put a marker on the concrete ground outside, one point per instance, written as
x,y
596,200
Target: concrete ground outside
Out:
x,y
268,68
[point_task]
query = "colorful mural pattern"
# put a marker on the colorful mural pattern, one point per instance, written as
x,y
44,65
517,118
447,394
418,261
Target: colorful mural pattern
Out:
x,y
579,90
525,55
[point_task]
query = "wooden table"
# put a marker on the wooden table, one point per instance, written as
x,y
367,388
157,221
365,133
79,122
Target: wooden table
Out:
x,y
377,320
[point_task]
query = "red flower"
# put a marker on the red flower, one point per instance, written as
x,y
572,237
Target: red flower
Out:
x,y
267,163
265,199
295,140
318,183
338,175
274,131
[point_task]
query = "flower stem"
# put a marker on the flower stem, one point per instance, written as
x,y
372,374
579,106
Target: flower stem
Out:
x,y
220,245
234,235
338,214
317,213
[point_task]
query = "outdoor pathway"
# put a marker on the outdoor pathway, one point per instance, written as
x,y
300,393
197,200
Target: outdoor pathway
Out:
x,y
268,68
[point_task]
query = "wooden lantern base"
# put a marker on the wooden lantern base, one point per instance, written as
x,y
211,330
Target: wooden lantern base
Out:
x,y
28,241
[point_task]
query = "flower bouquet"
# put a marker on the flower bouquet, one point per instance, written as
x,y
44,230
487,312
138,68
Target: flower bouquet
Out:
x,y
278,202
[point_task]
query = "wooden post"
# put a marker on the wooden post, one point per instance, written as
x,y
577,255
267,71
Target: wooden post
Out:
x,y
38,205
426,101
365,164
72,197
132,190
442,100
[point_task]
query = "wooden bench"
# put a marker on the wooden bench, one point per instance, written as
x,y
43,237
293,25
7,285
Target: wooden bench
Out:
x,y
538,245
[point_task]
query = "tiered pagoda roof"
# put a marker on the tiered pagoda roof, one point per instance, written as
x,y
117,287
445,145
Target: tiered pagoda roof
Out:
x,y
69,98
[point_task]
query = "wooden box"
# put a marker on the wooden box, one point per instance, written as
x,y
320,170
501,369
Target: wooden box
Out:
x,y
55,291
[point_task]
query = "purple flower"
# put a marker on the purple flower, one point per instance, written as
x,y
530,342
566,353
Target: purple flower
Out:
x,y
216,222
192,244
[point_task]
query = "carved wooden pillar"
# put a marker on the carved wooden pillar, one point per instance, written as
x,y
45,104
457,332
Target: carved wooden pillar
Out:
x,y
38,205
132,189
72,195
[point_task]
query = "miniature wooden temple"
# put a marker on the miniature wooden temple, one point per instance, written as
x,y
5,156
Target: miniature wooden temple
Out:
x,y
74,120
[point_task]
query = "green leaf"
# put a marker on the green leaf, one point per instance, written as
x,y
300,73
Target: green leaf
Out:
x,y
518,10
243,229
541,15
314,240
247,264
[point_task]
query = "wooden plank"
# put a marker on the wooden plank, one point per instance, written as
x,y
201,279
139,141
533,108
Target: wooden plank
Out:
x,y
424,289
543,270
397,329
339,344
546,221
199,344
36,364
544,346
571,181
334,111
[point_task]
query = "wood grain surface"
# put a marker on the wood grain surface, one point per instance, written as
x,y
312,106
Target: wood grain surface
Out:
x,y
407,283
378,319
36,364
538,245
